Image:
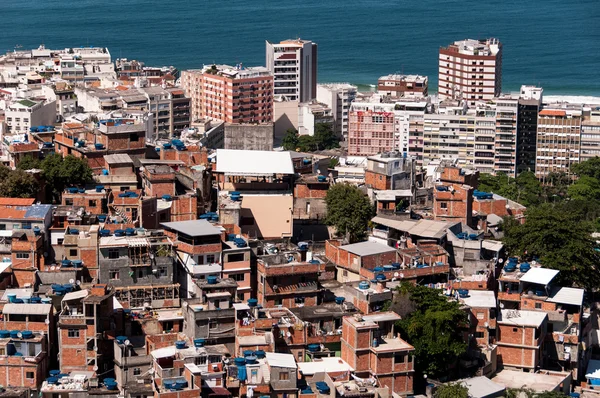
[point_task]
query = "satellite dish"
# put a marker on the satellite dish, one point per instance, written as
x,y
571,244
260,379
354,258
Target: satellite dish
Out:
x,y
401,275
501,305
486,324
78,283
151,371
95,368
396,274
501,260
52,268
47,321
127,342
96,348
71,281
20,335
185,304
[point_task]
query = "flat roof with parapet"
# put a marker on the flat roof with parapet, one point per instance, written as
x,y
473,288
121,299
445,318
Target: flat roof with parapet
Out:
x,y
480,299
522,318
538,382
253,163
327,364
367,248
193,228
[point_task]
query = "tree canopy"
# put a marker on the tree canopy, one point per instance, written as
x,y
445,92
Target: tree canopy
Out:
x,y
59,172
451,390
560,237
525,189
324,138
348,210
17,183
433,325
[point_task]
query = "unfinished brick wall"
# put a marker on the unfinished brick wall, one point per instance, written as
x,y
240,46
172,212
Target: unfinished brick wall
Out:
x,y
377,181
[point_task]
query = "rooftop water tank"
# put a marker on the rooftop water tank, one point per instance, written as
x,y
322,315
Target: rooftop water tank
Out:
x,y
73,231
378,269
66,263
211,279
251,359
252,302
52,380
4,334
240,361
181,384
11,297
180,344
364,285
121,339
110,385
260,354
463,293
26,334
167,198
314,347
54,372
36,300
36,231
321,179
198,342
14,334
119,232
340,300
524,267
380,277
99,146
167,146
99,188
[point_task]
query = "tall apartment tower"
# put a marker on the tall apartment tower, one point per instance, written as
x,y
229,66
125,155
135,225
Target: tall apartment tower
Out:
x,y
470,70
294,67
558,139
530,102
233,94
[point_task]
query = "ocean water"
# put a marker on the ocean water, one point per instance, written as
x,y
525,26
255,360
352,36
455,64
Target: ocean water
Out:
x,y
552,43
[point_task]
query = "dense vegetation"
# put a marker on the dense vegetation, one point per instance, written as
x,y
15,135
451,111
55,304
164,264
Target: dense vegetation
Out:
x,y
324,138
561,217
57,173
433,325
349,211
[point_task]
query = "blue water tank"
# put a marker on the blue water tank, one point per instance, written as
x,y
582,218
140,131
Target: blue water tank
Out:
x,y
119,232
321,178
378,269
105,232
104,172
260,354
211,279
52,380
375,343
99,188
388,268
73,231
395,265
121,339
18,301
180,345
198,342
510,267
239,361
380,277
54,372
167,146
102,217
181,384
463,293
129,231
99,146
36,300
11,297
37,231
251,359
169,384
14,334
26,334
340,300
252,302
314,347
168,198
364,285
4,334
110,385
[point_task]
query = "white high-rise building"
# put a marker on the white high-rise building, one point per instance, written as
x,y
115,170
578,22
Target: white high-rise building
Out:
x,y
294,67
470,70
338,96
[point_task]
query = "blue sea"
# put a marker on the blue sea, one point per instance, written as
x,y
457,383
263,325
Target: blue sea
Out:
x,y
552,43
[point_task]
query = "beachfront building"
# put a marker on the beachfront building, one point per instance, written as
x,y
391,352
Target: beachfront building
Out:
x,y
294,67
403,85
470,70
338,96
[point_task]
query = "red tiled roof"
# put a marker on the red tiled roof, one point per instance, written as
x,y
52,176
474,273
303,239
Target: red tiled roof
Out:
x,y
552,112
16,201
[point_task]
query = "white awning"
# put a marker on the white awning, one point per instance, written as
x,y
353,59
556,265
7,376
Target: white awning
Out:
x,y
540,276
164,352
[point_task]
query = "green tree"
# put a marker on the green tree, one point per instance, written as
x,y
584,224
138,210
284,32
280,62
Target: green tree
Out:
x,y
590,168
348,210
525,189
28,163
435,328
561,238
19,184
452,390
307,143
59,172
290,140
333,162
585,188
325,138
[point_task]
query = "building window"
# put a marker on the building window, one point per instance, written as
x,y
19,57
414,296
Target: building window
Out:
x,y
480,315
73,253
299,300
137,371
237,277
73,332
134,137
479,335
235,257
278,301
2,227
113,254
141,273
22,255
538,305
515,330
399,357
444,205
69,202
210,259
284,375
213,325
162,271
113,275
92,203
29,375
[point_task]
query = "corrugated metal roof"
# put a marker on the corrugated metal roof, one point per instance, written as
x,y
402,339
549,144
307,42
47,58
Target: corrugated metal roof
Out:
x,y
367,248
76,295
16,201
403,225
430,228
281,360
27,309
540,276
253,163
567,295
118,158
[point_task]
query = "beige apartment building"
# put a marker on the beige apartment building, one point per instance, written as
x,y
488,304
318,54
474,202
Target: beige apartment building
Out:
x,y
470,70
233,94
